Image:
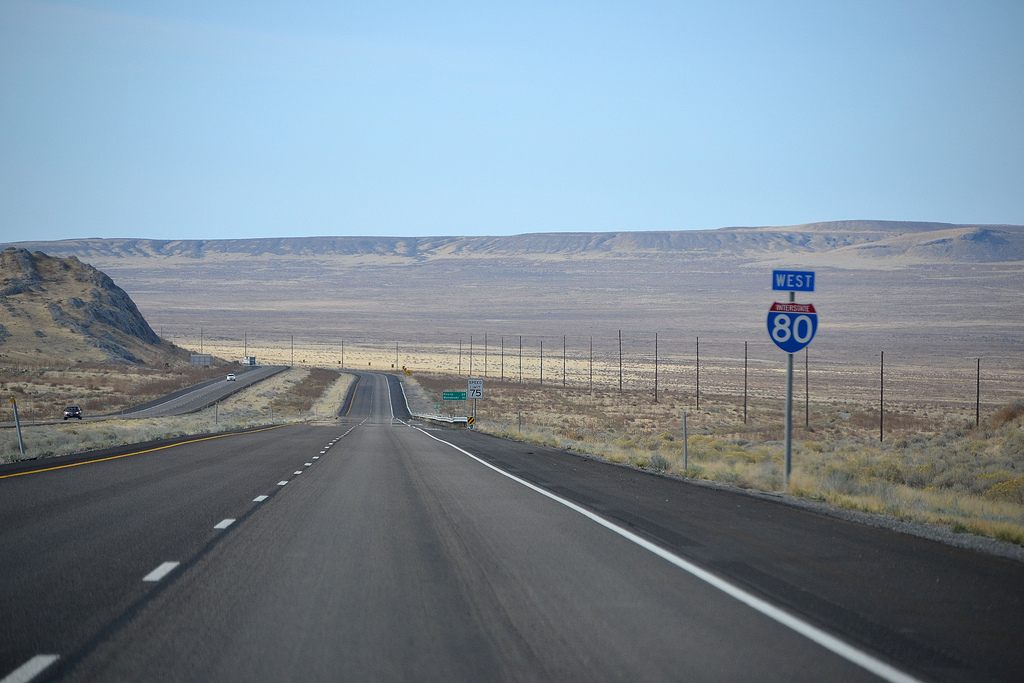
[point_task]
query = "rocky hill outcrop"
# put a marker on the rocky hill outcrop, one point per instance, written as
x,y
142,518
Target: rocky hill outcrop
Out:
x,y
60,309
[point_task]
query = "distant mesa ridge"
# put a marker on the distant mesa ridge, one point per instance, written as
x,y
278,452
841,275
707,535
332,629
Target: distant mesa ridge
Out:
x,y
870,240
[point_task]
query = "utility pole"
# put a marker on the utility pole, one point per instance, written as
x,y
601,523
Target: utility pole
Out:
x,y
470,355
245,344
563,361
591,365
620,361
698,373
807,391
520,359
542,362
460,357
200,340
342,354
485,354
744,382
655,367
502,358
977,397
293,351
396,355
881,397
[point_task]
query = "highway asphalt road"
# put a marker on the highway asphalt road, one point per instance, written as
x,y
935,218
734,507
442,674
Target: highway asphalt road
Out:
x,y
188,400
371,549
203,394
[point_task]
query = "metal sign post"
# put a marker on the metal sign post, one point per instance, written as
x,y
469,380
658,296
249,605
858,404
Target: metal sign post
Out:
x,y
791,326
686,447
789,412
475,390
17,424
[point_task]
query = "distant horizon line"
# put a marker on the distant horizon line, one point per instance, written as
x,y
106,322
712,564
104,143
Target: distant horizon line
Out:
x,y
525,234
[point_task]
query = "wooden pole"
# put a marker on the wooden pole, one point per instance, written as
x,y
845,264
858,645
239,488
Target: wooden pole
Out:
x,y
698,373
744,382
881,397
977,397
542,362
620,361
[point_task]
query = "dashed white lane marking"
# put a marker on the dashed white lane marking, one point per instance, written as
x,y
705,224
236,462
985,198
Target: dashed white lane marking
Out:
x,y
224,523
30,669
307,464
316,457
780,616
323,451
282,483
297,472
160,572
259,499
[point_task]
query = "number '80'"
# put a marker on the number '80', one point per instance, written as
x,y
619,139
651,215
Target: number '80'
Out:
x,y
799,328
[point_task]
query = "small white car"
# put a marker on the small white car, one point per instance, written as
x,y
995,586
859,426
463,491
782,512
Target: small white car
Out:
x,y
231,377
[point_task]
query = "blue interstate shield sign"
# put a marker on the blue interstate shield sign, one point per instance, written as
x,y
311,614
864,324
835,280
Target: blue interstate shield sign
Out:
x,y
792,326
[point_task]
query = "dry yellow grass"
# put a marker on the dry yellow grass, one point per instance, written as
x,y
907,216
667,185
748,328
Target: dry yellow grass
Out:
x,y
929,470
42,393
273,401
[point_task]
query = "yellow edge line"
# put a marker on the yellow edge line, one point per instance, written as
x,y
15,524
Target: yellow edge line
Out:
x,y
148,450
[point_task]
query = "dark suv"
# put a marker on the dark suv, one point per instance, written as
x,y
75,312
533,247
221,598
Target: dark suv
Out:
x,y
72,411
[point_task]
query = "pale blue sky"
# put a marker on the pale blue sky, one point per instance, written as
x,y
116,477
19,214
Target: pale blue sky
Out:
x,y
221,119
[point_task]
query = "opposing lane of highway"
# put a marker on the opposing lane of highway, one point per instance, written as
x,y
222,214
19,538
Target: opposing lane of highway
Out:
x,y
182,402
202,395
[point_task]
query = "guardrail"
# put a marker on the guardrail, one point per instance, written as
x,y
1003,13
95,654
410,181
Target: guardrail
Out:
x,y
426,416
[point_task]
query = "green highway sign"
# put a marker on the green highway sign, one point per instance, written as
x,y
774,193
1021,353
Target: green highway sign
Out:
x,y
453,395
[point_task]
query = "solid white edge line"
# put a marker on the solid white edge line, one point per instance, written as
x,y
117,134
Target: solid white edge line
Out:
x,y
405,397
809,631
160,572
224,523
391,408
30,669
260,499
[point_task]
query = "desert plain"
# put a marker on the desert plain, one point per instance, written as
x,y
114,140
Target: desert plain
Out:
x,y
932,432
